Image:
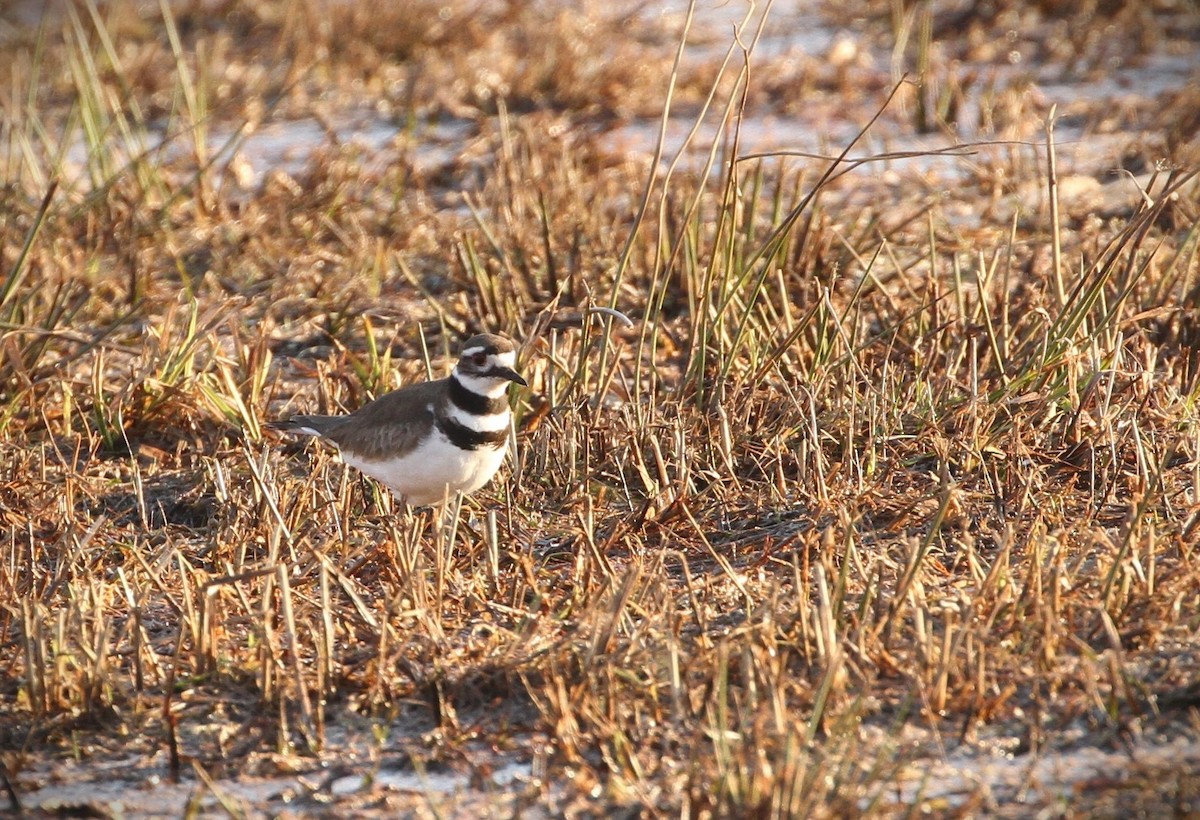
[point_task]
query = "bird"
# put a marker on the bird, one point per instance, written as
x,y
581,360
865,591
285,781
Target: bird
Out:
x,y
427,441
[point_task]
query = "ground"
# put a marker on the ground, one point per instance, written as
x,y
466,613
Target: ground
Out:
x,y
857,473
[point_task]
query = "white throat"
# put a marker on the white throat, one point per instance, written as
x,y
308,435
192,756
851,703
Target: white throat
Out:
x,y
489,386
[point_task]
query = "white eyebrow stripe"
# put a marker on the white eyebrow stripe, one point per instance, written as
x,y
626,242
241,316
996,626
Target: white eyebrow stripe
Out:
x,y
506,359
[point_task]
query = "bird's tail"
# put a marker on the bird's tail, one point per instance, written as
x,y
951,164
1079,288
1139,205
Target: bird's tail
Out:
x,y
304,425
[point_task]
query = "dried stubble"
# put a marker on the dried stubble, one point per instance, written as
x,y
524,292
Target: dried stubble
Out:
x,y
856,474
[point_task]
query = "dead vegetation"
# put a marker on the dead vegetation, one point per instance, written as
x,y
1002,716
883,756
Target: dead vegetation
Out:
x,y
863,487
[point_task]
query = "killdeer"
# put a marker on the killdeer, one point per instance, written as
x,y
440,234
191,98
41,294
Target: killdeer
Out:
x,y
426,440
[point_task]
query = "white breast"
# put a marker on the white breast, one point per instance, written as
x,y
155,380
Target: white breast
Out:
x,y
433,470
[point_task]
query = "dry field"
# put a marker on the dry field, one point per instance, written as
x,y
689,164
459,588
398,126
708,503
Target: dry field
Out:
x,y
885,503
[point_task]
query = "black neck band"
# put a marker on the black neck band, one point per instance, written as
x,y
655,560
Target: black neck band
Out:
x,y
465,438
474,403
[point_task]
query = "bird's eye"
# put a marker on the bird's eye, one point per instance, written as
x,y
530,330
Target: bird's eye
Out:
x,y
479,359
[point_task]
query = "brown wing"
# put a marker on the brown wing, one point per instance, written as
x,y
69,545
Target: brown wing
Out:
x,y
390,425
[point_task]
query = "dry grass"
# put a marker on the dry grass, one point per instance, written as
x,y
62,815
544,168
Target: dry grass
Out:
x,y
862,486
